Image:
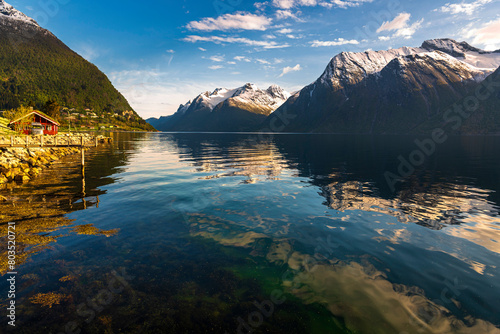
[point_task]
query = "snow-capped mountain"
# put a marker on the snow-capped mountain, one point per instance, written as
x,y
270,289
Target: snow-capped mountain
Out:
x,y
266,100
388,91
10,13
485,61
225,109
349,68
251,98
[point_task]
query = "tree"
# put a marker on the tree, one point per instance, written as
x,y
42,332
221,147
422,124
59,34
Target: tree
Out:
x,y
52,108
14,114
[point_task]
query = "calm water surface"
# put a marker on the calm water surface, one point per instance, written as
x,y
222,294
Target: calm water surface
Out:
x,y
242,233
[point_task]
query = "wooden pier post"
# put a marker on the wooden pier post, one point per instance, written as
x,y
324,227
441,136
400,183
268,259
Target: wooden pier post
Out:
x,y
27,141
96,142
55,140
11,141
81,139
83,162
41,141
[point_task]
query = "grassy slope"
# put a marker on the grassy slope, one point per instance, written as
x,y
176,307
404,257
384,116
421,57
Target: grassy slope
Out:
x,y
36,66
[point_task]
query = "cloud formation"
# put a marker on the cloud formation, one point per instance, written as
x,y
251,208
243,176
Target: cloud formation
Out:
x,y
488,35
337,42
239,40
288,4
217,58
242,58
463,8
399,22
238,21
401,26
289,69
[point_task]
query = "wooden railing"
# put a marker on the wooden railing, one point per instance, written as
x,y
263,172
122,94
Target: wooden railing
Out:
x,y
52,141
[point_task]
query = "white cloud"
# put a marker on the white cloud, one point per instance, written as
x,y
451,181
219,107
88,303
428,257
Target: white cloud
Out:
x,y
262,61
399,22
289,4
409,31
328,5
463,8
401,26
349,3
238,21
238,40
384,38
337,42
287,14
231,62
488,35
269,36
215,67
202,49
217,58
286,5
289,69
285,31
170,51
242,58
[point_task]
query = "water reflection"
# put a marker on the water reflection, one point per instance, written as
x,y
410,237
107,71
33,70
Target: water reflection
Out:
x,y
355,291
40,208
433,197
209,224
454,196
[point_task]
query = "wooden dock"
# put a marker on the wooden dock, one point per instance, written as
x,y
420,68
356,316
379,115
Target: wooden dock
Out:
x,y
52,141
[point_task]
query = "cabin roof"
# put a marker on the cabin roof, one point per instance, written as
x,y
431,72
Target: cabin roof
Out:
x,y
39,113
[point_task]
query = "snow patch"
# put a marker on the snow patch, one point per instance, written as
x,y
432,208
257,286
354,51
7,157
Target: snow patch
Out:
x,y
9,12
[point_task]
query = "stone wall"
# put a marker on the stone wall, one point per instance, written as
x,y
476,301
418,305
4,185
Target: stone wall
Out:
x,y
23,164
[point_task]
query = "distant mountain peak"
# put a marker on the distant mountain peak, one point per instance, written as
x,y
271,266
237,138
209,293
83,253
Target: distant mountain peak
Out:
x,y
450,46
9,12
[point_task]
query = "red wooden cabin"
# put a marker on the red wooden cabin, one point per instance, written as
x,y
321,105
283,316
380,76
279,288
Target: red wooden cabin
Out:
x,y
25,123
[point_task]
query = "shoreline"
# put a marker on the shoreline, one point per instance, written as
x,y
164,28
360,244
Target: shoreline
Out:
x,y
22,164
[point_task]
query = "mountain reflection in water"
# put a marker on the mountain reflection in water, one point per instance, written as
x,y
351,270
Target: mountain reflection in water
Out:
x,y
207,225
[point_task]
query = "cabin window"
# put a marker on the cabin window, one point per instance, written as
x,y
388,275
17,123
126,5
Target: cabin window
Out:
x,y
49,127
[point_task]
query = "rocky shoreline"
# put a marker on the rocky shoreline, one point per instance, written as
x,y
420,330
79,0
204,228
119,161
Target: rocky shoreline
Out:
x,y
21,164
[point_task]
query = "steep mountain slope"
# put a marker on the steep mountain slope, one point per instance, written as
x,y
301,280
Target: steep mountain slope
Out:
x,y
240,109
36,67
478,112
387,91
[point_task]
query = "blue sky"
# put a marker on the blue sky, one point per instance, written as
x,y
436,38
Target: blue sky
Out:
x,y
163,53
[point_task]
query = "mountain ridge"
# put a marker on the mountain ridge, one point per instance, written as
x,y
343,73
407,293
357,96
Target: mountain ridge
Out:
x,y
37,67
379,91
238,109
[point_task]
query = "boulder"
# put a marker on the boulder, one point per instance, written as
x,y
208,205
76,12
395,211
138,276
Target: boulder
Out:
x,y
21,178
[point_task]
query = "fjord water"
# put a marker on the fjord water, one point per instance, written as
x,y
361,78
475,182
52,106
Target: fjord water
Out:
x,y
240,233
